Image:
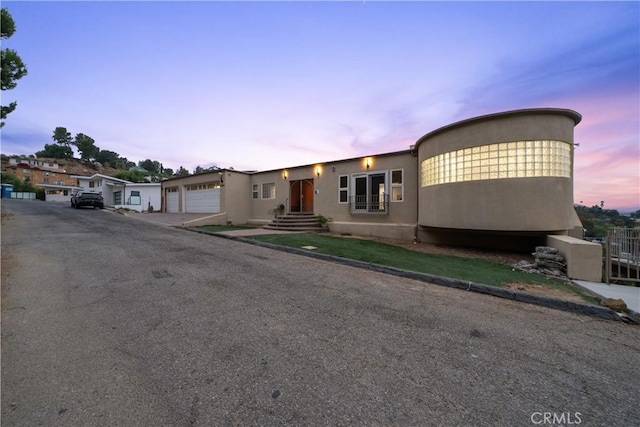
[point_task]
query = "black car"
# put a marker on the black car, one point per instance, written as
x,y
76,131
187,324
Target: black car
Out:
x,y
80,199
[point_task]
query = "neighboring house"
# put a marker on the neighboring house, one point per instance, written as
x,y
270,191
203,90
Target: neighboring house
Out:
x,y
38,172
119,193
503,179
56,182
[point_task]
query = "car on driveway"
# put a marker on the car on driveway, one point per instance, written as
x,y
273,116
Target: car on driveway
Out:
x,y
82,198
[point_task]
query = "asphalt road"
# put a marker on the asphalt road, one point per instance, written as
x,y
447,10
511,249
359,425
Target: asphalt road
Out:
x,y
109,320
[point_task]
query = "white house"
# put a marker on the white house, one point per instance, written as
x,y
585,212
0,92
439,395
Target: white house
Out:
x,y
120,193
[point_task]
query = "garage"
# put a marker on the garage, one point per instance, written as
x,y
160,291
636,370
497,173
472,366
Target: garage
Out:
x,y
203,198
173,198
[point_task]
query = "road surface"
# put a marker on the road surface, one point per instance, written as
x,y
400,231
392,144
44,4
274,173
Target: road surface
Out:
x,y
109,320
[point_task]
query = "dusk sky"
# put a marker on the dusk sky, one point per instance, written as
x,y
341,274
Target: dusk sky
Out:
x,y
266,85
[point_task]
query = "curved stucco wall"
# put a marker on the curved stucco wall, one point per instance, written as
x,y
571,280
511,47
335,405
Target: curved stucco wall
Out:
x,y
538,199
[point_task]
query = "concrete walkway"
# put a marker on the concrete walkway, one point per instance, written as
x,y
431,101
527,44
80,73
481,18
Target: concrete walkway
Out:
x,y
629,294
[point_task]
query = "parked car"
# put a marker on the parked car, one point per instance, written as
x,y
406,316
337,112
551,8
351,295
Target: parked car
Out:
x,y
82,198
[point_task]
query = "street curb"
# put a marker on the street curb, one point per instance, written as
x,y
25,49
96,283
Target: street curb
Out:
x,y
558,304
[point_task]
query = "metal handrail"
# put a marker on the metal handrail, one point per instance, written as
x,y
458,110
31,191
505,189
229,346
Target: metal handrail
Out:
x,y
371,204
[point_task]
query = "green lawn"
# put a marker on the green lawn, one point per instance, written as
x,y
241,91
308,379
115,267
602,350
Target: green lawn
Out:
x,y
474,270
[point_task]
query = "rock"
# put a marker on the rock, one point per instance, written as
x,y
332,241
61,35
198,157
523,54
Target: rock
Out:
x,y
615,304
546,250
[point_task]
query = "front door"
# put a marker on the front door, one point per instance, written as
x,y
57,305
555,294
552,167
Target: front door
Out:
x,y
301,196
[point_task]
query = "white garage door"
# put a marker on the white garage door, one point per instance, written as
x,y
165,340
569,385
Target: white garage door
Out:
x,y
203,198
172,200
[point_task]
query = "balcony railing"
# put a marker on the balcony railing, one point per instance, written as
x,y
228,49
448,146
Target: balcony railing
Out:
x,y
374,204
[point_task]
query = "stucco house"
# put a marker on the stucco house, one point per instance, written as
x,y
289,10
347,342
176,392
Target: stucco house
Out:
x,y
500,180
119,193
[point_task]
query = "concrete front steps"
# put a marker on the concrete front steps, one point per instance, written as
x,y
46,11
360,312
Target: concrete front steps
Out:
x,y
296,222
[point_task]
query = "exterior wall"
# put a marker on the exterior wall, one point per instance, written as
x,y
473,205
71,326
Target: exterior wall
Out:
x,y
584,259
523,204
39,176
235,197
399,221
57,195
213,177
149,195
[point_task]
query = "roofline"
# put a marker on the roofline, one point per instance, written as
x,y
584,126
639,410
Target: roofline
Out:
x,y
392,153
574,115
101,176
63,187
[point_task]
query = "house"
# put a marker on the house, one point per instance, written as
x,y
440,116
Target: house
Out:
x,y
56,182
38,172
119,193
501,180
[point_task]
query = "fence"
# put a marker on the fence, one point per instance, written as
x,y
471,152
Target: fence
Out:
x,y
21,195
622,258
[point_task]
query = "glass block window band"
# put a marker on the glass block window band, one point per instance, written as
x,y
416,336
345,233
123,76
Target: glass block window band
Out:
x,y
519,159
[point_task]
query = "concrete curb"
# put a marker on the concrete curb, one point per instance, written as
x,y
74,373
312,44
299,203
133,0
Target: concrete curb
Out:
x,y
558,304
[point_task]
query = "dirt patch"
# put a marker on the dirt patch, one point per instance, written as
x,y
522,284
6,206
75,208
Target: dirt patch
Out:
x,y
544,291
6,217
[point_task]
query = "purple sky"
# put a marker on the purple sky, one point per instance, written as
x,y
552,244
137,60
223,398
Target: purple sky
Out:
x,y
265,85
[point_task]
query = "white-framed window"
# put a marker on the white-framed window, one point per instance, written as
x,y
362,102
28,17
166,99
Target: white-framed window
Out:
x,y
369,193
254,191
269,190
397,185
172,190
343,189
92,184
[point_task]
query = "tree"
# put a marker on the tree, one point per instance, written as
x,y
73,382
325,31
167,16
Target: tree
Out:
x,y
151,166
182,172
86,147
107,157
13,69
62,136
55,151
132,175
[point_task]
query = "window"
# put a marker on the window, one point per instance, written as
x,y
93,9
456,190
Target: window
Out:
x,y
117,197
254,191
269,190
397,185
134,198
369,193
518,159
92,184
343,189
45,180
65,192
197,187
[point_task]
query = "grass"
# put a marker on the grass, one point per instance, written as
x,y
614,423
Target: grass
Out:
x,y
217,228
474,270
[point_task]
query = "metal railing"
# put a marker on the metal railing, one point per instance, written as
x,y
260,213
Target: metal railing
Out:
x,y
622,255
374,204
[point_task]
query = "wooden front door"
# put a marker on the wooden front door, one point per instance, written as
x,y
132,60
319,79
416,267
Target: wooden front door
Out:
x,y
301,196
